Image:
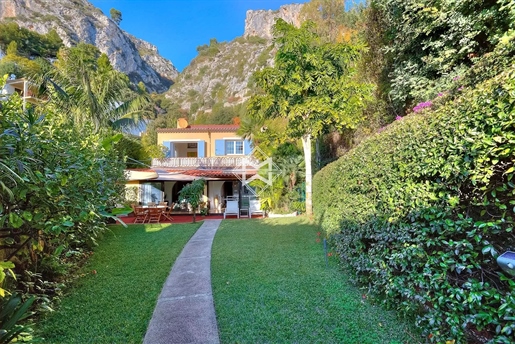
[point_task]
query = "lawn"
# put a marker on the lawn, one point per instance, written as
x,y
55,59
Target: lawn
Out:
x,y
271,285
114,302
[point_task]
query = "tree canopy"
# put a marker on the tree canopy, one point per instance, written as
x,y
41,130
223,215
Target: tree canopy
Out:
x,y
311,85
84,83
192,193
332,20
29,43
116,15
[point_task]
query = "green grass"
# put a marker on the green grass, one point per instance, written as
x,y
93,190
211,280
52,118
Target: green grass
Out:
x,y
115,304
271,285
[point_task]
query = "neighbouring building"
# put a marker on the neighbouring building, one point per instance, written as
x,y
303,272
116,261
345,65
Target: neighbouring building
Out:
x,y
23,87
212,151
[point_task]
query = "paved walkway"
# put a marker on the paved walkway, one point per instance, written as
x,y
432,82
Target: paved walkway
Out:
x,y
185,312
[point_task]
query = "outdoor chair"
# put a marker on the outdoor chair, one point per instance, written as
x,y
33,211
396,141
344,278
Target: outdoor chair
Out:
x,y
255,207
232,209
163,203
154,215
141,214
167,213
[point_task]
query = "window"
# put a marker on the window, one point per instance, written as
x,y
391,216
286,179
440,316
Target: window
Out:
x,y
234,147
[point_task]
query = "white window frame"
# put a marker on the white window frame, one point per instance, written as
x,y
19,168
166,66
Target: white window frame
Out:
x,y
234,141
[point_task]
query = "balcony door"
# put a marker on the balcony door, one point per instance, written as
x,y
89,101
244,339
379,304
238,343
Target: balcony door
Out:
x,y
151,192
185,149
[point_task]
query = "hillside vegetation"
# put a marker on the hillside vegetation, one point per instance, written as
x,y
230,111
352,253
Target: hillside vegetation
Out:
x,y
220,74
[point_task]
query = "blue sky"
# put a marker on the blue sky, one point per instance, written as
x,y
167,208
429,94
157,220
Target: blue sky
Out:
x,y
178,27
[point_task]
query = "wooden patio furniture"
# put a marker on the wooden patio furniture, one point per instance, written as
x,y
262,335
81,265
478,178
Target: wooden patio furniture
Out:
x,y
167,213
141,214
154,215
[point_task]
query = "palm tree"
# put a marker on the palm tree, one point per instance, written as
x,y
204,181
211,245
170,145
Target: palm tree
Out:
x,y
84,84
292,169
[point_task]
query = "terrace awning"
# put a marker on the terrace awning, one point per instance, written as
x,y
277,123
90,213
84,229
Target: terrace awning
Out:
x,y
162,174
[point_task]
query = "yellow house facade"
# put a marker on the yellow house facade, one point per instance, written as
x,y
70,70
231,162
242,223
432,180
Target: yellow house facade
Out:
x,y
213,152
203,141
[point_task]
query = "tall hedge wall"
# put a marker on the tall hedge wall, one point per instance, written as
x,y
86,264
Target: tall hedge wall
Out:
x,y
421,210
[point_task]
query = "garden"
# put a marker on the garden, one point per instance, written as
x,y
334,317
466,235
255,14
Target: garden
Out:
x,y
409,109
271,283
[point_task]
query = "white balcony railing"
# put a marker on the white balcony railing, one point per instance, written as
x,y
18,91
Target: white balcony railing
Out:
x,y
206,163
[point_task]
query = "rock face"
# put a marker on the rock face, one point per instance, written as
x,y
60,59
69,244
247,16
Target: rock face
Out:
x,y
221,73
260,23
79,21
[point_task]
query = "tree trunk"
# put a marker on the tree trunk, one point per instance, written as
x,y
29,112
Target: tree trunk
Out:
x,y
306,145
318,156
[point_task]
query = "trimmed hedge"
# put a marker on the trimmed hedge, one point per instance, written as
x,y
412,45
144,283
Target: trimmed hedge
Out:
x,y
421,210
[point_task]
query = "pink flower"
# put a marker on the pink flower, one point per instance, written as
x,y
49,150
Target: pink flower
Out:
x,y
421,106
398,118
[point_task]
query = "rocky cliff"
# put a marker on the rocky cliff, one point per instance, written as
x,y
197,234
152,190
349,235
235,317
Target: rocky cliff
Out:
x,y
222,71
220,74
79,21
259,23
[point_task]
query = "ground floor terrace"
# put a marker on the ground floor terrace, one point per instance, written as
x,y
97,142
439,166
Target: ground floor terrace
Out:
x,y
157,185
188,218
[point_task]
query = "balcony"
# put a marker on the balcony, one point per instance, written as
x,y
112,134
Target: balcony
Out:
x,y
220,162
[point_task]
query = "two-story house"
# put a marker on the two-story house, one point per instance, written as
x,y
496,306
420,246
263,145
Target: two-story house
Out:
x,y
211,151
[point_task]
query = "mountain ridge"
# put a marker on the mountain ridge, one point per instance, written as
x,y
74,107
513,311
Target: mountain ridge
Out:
x,y
221,72
79,21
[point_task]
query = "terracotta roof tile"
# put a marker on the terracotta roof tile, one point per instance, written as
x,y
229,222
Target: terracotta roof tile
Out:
x,y
201,128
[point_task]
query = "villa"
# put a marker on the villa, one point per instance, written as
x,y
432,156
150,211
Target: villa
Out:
x,y
213,152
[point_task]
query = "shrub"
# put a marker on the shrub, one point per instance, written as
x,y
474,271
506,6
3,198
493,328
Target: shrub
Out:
x,y
257,40
209,50
420,211
55,185
30,43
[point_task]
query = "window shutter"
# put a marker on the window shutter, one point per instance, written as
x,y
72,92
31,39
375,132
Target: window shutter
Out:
x,y
219,147
170,151
247,147
201,149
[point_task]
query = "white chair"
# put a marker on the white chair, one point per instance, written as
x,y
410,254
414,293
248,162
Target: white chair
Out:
x,y
255,207
232,209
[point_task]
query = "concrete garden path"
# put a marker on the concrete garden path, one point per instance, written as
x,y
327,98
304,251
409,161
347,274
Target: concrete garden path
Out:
x,y
185,312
